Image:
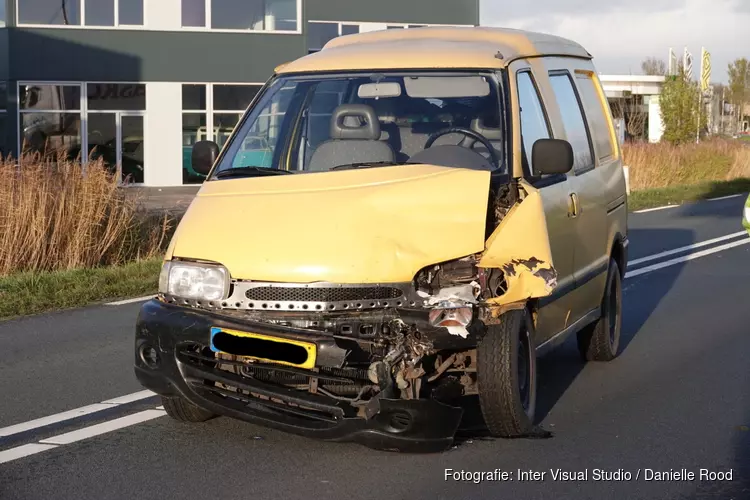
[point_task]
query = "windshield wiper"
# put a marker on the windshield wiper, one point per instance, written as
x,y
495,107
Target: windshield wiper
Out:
x,y
250,171
365,164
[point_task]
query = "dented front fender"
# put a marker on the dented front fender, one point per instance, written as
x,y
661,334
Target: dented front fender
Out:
x,y
520,247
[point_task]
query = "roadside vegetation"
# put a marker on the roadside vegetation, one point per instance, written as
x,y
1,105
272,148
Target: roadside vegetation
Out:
x,y
69,237
666,174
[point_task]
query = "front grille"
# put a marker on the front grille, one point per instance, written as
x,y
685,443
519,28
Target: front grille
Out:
x,y
328,294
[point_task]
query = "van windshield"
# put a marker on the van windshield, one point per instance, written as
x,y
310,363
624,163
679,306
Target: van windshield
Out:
x,y
321,123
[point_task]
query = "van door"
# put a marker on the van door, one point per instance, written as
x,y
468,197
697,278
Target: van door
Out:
x,y
531,123
588,190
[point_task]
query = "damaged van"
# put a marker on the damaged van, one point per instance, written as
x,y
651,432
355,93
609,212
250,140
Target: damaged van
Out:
x,y
438,208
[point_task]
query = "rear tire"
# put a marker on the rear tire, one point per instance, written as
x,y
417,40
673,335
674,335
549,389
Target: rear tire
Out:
x,y
184,411
600,341
506,375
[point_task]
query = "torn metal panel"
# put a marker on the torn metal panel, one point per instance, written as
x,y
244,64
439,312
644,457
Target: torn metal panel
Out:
x,y
520,247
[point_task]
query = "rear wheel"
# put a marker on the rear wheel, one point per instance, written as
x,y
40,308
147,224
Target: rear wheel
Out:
x,y
600,341
181,409
506,375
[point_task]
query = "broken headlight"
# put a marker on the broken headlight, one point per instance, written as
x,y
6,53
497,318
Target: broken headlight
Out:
x,y
192,280
451,290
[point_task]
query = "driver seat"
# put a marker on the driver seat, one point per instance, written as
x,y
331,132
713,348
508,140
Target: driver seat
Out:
x,y
355,138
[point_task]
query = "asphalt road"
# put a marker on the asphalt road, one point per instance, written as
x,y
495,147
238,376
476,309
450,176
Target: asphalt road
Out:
x,y
677,398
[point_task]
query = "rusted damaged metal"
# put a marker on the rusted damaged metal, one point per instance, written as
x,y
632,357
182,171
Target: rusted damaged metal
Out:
x,y
520,247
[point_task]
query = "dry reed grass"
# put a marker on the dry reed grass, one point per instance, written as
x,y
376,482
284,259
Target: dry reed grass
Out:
x,y
665,165
56,216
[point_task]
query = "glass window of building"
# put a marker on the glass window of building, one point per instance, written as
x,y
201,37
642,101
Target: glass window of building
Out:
x,y
130,12
254,15
319,34
116,96
99,13
49,12
349,29
50,119
106,13
194,13
194,128
4,150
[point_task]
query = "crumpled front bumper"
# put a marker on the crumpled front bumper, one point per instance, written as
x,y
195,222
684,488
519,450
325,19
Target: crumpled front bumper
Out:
x,y
413,426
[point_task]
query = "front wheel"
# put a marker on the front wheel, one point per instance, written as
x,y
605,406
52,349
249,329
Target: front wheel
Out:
x,y
506,375
600,341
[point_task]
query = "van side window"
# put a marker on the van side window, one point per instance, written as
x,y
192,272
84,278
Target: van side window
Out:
x,y
597,115
534,124
573,121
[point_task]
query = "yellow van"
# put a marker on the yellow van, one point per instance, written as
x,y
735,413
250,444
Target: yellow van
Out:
x,y
442,206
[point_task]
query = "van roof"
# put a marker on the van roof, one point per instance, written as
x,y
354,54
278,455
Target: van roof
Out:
x,y
433,48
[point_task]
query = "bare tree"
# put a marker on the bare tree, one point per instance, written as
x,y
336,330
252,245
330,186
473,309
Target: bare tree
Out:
x,y
629,109
654,66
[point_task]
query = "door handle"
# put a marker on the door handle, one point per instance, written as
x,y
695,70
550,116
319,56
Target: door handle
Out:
x,y
573,206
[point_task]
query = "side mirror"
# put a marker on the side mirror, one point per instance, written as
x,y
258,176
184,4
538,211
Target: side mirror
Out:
x,y
204,155
552,156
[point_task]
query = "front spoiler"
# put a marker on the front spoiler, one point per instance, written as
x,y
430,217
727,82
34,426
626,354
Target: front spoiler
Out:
x,y
412,426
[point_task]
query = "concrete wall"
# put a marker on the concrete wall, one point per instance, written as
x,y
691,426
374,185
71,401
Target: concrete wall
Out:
x,y
125,55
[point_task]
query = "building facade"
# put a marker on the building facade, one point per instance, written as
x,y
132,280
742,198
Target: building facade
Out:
x,y
137,82
634,100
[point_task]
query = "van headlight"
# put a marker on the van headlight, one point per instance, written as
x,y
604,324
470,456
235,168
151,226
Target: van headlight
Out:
x,y
192,280
747,215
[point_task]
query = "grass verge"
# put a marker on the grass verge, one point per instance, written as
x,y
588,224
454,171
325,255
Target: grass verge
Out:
x,y
37,292
676,195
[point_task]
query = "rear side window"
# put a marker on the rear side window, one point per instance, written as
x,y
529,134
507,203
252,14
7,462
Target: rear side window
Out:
x,y
596,114
573,121
533,121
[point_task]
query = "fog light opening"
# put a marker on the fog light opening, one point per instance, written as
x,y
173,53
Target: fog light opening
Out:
x,y
149,356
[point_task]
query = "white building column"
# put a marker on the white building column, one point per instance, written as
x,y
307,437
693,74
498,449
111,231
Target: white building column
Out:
x,y
163,134
655,123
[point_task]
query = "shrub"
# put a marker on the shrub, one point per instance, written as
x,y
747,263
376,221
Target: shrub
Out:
x,y
55,215
664,164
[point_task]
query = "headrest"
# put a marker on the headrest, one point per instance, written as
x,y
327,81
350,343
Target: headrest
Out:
x,y
492,134
342,128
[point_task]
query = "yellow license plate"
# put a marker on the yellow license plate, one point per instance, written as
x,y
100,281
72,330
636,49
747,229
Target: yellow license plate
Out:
x,y
264,348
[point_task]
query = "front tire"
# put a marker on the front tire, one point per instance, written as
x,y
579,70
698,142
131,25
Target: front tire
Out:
x,y
506,375
600,341
184,411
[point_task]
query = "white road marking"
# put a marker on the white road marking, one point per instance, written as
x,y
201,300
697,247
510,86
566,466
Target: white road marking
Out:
x,y
727,197
129,398
687,247
686,258
130,301
71,414
104,427
655,209
23,451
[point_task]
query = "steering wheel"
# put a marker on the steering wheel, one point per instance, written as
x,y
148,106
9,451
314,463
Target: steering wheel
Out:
x,y
470,134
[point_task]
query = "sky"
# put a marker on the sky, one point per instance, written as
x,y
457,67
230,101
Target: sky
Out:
x,y
622,34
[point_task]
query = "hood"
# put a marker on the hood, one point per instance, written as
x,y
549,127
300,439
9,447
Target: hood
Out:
x,y
371,225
